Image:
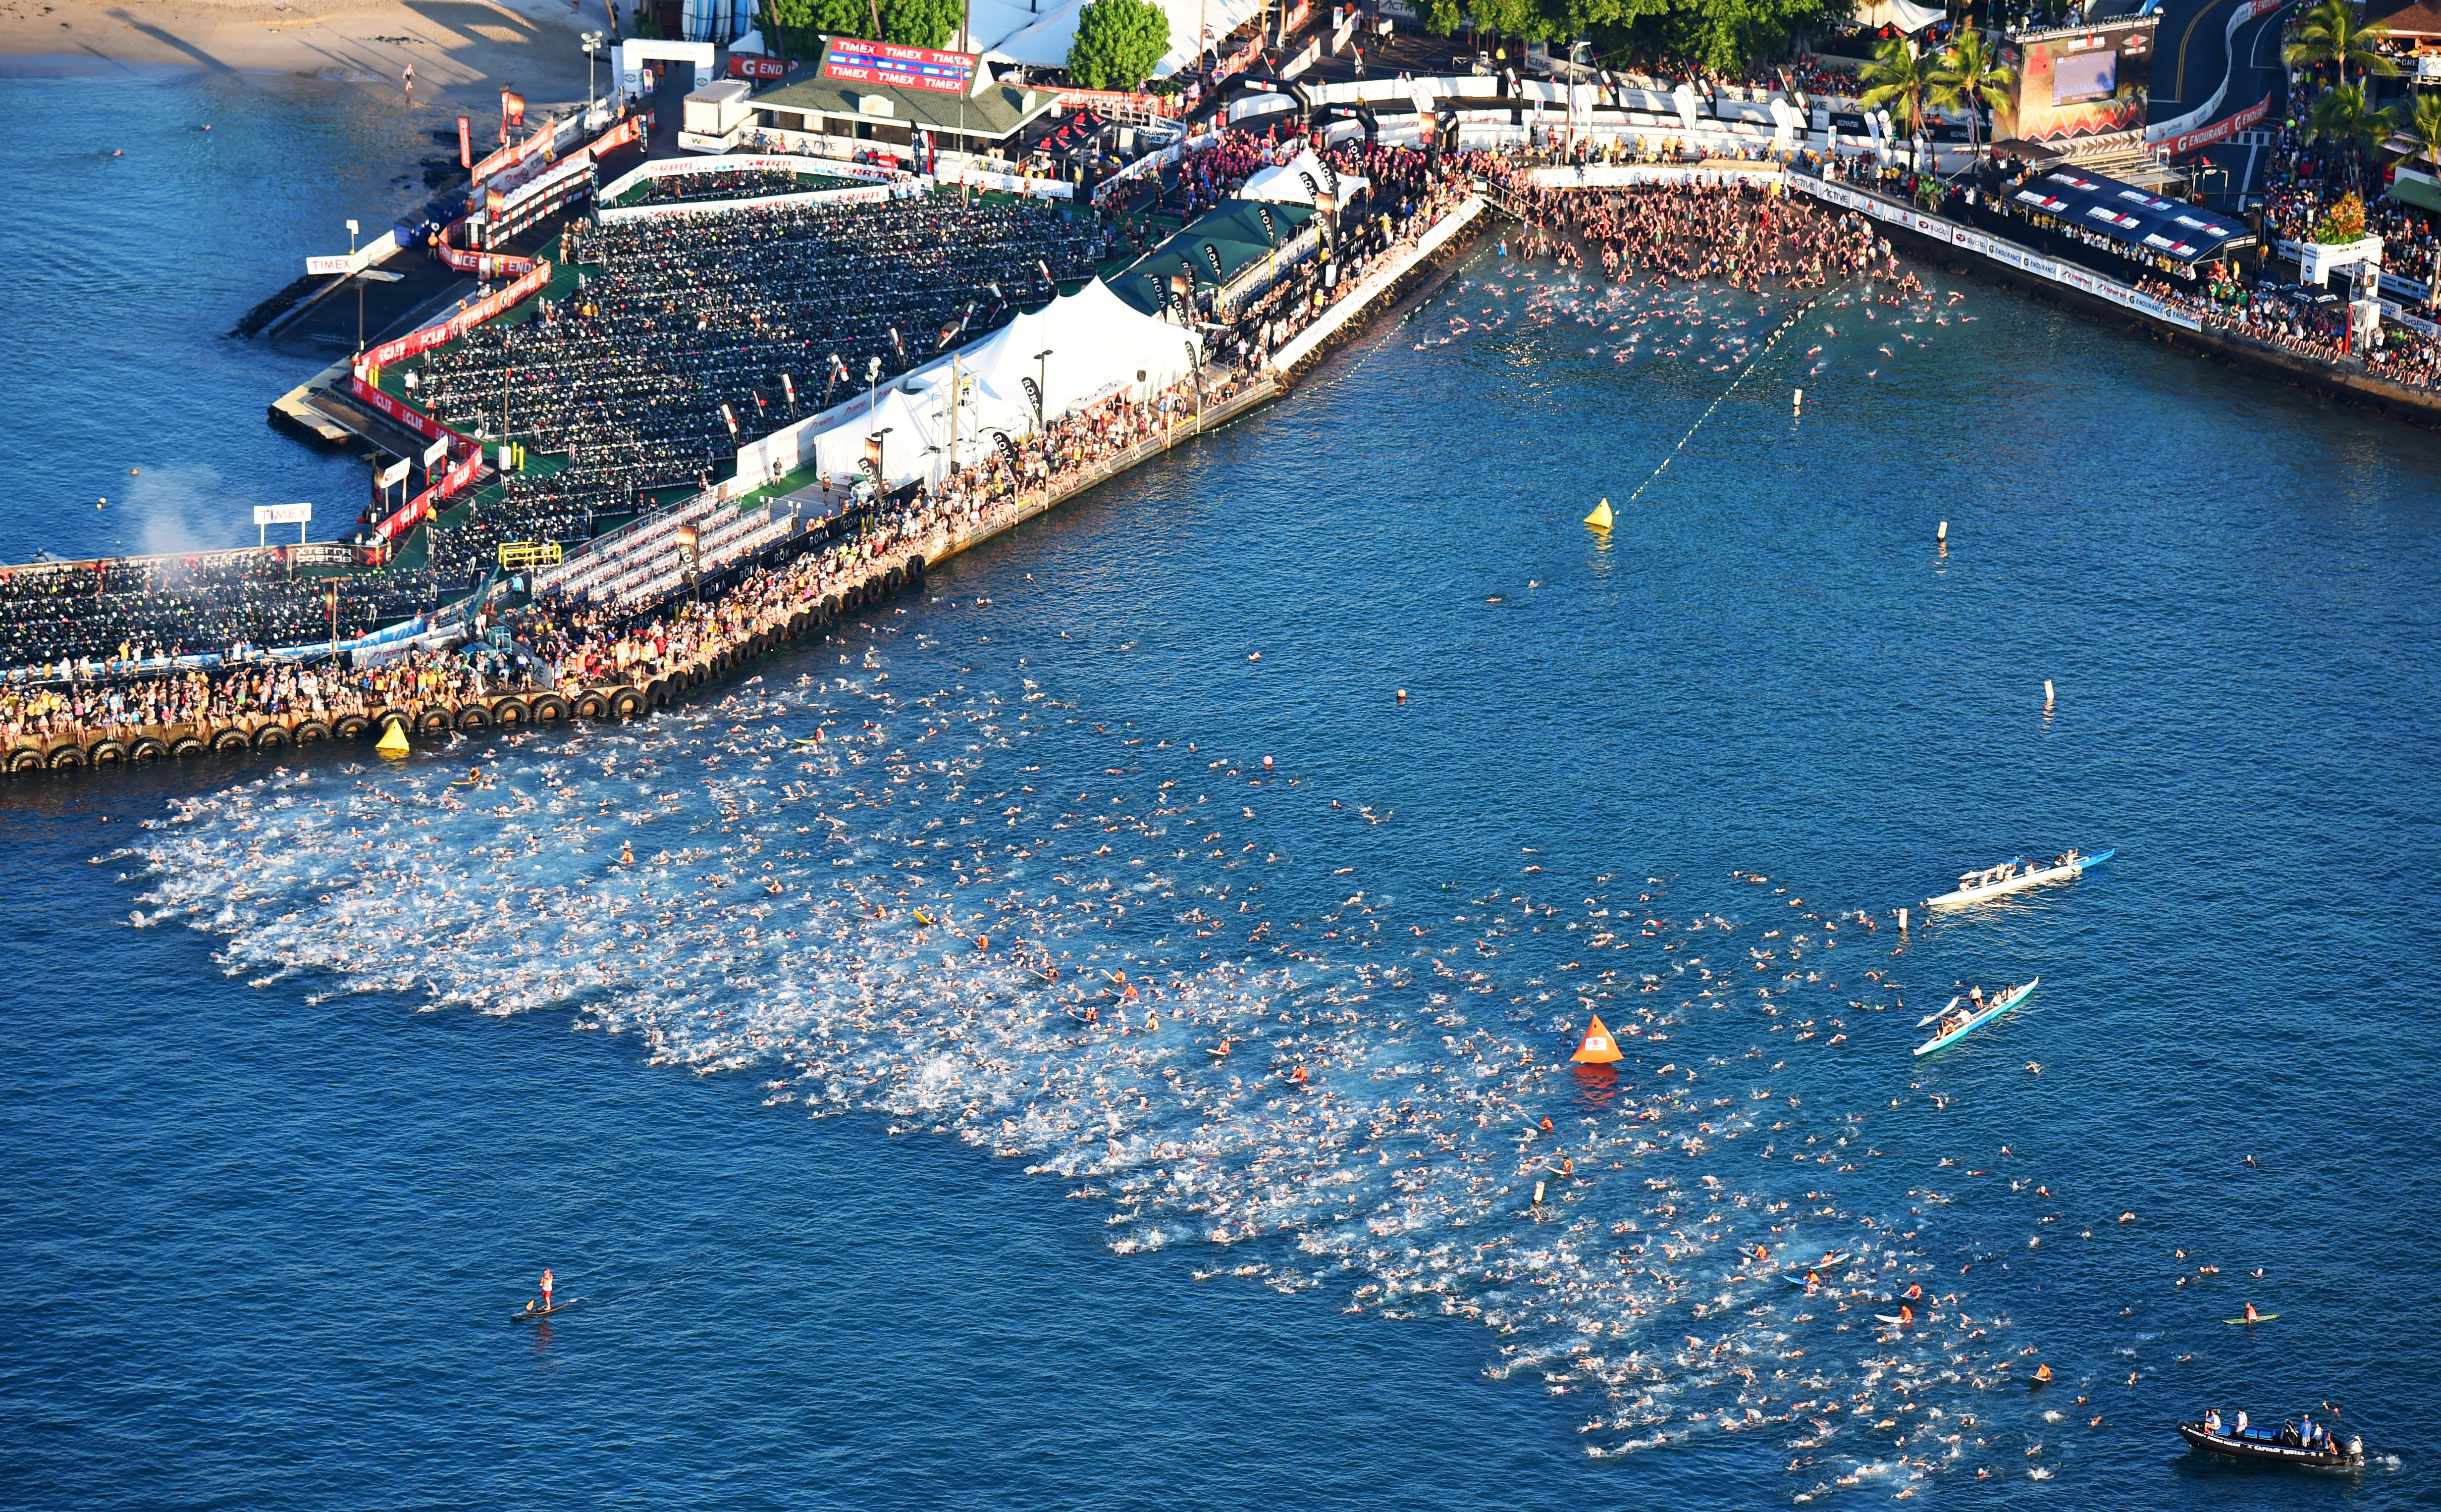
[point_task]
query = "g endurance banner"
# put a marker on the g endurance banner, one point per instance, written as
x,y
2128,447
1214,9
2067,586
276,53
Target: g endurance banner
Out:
x,y
852,60
2082,83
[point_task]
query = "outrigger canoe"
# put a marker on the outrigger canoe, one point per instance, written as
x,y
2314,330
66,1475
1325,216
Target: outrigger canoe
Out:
x,y
2267,1443
2015,876
1994,1009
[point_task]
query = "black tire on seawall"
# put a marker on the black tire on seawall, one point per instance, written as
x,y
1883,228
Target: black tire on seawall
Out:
x,y
891,581
550,708
24,760
474,717
146,750
186,745
228,740
434,722
512,714
590,705
915,568
313,732
627,703
352,726
66,757
271,737
107,753
657,694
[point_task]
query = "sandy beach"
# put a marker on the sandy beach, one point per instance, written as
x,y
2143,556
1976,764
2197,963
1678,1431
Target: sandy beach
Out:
x,y
462,49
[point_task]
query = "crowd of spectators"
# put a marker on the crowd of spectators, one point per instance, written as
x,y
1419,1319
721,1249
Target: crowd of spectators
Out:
x,y
695,188
689,335
119,708
133,610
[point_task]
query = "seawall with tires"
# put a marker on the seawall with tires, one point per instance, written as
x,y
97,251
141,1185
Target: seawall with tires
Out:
x,y
124,744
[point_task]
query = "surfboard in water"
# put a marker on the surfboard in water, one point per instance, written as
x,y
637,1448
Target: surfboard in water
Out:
x,y
2260,1317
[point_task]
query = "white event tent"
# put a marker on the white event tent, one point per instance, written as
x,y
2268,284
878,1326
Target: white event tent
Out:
x,y
1285,182
1038,36
1081,348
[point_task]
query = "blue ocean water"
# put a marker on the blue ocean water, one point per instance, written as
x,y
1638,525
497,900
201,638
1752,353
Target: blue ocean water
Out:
x,y
151,209
319,1064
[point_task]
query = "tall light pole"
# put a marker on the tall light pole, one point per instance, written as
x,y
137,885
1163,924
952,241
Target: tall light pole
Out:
x,y
591,42
360,288
1042,393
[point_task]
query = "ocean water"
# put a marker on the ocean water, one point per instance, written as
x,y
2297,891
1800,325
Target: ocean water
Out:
x,y
152,208
806,1067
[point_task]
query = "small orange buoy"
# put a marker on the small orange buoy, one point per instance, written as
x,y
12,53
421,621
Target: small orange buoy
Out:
x,y
1598,1049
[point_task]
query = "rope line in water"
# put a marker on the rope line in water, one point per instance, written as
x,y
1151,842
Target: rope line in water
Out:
x,y
1773,340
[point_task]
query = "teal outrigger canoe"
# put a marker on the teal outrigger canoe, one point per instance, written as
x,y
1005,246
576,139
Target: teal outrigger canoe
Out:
x,y
1999,1005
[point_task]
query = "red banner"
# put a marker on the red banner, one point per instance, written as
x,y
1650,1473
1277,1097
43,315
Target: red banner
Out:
x,y
1238,60
460,474
852,60
421,423
742,66
465,145
1107,101
509,157
2219,130
456,325
1296,17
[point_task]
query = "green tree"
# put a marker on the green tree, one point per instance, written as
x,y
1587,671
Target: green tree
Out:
x,y
795,28
1970,76
922,22
1720,36
1117,43
2342,115
1899,79
2330,33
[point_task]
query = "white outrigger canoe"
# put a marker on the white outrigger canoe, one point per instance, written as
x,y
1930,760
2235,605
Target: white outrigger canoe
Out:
x,y
2015,876
1992,1009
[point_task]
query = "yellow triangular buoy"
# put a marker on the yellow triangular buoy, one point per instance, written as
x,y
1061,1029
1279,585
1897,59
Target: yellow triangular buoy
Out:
x,y
1600,518
393,741
1598,1048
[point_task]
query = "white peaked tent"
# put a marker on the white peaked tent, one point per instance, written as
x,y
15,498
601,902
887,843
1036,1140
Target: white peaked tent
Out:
x,y
1038,33
1908,17
1285,182
1083,348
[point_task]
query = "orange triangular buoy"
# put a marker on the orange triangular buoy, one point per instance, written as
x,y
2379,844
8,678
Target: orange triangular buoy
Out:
x,y
1598,1048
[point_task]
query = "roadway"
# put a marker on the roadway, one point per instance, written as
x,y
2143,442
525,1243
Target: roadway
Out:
x,y
2193,53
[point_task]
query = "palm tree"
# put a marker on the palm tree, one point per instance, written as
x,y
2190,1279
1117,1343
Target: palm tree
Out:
x,y
2329,33
1971,75
1897,76
2423,131
2342,115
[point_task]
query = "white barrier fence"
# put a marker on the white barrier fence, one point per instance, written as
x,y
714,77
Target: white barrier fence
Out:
x,y
2008,254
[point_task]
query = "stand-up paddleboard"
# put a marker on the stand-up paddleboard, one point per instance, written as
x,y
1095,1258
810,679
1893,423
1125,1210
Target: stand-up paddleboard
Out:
x,y
2260,1317
530,1314
1893,1319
